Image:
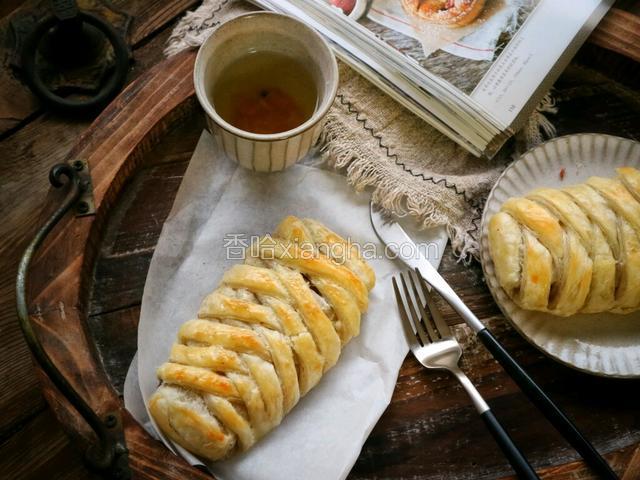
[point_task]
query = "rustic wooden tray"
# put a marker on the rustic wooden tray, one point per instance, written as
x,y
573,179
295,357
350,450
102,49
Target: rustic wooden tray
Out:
x,y
87,280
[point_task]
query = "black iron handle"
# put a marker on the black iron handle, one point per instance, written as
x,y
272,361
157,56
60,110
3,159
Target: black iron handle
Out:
x,y
66,14
110,454
544,403
516,459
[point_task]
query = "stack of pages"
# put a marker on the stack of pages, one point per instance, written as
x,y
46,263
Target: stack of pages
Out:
x,y
473,69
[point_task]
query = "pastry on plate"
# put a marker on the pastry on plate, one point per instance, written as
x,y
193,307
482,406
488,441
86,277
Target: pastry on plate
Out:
x,y
571,250
262,339
451,13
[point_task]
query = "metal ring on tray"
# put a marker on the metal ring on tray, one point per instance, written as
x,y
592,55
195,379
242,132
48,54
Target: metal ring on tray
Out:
x,y
111,87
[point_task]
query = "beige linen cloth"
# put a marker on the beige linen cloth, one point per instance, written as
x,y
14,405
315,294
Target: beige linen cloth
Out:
x,y
410,168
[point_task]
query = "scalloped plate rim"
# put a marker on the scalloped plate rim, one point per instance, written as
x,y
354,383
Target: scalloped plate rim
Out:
x,y
500,296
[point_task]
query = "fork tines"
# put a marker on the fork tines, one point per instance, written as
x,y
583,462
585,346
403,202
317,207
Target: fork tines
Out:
x,y
427,326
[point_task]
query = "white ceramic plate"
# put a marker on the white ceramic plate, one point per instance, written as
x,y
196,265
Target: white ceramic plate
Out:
x,y
601,344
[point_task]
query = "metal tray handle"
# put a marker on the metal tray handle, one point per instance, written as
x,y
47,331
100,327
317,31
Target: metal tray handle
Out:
x,y
110,454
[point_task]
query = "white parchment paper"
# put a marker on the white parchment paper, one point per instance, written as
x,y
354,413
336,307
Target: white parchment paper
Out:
x,y
217,201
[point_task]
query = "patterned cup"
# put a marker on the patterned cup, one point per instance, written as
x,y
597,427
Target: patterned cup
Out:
x,y
275,33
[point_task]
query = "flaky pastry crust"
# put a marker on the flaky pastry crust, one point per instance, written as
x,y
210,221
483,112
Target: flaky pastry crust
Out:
x,y
262,339
571,250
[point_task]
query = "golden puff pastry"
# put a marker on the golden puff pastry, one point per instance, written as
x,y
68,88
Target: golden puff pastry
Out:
x,y
450,13
571,250
262,339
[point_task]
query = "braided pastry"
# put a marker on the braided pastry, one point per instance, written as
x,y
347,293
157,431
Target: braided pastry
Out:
x,y
262,339
571,250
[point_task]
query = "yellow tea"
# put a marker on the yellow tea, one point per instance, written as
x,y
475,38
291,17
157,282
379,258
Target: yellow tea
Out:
x,y
265,92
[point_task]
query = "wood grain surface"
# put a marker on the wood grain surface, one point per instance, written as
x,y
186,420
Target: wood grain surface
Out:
x,y
32,444
619,31
26,155
114,146
17,103
429,430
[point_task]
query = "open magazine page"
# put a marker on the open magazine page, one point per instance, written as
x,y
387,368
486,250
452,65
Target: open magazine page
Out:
x,y
459,55
499,52
530,63
473,69
433,99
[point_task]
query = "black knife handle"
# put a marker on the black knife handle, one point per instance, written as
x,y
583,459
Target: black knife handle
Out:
x,y
502,438
553,413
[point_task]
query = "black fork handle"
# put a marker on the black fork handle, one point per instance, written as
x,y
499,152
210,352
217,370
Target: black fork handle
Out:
x,y
553,413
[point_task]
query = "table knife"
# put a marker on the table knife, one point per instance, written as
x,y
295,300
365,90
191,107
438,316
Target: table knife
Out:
x,y
394,237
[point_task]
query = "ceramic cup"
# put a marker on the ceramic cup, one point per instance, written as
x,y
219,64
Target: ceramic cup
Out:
x,y
265,31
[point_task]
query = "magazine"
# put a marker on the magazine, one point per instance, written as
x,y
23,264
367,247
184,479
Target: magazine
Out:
x,y
473,69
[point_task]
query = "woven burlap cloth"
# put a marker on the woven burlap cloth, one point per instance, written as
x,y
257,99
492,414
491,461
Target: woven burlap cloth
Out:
x,y
410,168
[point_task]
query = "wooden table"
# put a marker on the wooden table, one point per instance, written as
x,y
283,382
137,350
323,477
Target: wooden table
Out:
x,y
32,443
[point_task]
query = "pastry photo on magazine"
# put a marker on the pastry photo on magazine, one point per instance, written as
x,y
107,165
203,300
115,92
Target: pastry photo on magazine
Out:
x,y
473,69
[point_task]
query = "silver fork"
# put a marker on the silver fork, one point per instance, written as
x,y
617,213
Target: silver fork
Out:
x,y
434,346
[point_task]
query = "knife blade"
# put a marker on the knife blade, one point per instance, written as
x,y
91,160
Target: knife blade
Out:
x,y
399,243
